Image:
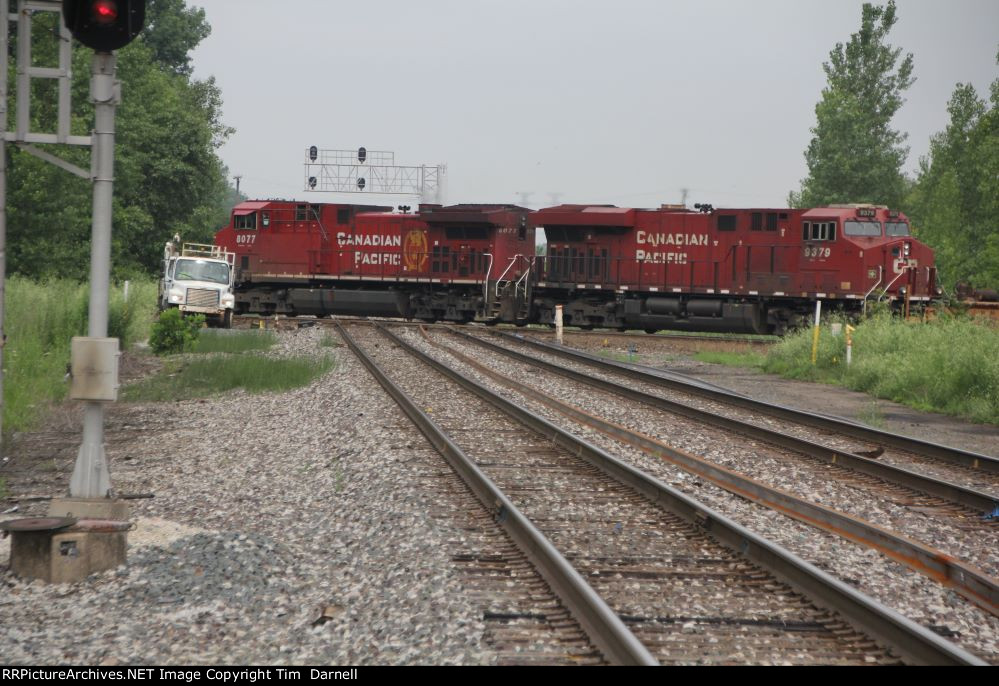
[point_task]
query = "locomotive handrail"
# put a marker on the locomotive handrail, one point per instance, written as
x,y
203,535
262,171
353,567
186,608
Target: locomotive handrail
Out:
x,y
513,261
320,222
878,283
489,269
522,279
888,287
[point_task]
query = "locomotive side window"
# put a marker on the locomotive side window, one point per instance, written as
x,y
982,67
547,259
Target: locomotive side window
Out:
x,y
265,219
819,231
896,228
853,227
301,213
726,222
246,221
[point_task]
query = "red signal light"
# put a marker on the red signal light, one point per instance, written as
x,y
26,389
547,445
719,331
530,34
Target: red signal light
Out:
x,y
104,11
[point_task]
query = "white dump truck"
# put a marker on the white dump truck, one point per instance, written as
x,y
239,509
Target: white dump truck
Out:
x,y
198,279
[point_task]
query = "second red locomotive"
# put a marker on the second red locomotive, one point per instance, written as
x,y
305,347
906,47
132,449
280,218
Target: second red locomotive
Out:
x,y
749,270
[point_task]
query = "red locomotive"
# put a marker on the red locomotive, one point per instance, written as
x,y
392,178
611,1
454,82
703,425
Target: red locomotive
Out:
x,y
750,270
443,263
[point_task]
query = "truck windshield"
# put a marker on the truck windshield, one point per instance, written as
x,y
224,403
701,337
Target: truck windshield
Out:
x,y
897,228
202,270
857,228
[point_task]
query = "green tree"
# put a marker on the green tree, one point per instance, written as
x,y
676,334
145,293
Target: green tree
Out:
x,y
854,154
954,203
173,31
168,176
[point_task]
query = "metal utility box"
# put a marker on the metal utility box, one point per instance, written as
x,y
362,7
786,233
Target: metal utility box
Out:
x,y
94,369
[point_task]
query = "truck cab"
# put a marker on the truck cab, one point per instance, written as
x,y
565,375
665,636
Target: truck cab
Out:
x,y
198,279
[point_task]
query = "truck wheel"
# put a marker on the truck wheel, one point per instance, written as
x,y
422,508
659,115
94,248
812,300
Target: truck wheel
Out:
x,y
227,319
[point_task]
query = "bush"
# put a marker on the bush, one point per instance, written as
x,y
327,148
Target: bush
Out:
x,y
174,333
949,365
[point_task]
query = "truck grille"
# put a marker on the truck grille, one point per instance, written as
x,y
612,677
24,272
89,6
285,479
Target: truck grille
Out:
x,y
202,297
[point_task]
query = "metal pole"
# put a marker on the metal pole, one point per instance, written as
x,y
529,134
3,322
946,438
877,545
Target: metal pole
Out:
x,y
91,478
3,242
4,27
815,332
558,323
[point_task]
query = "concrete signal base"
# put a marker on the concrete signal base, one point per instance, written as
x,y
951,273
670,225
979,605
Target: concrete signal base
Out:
x,y
67,555
96,542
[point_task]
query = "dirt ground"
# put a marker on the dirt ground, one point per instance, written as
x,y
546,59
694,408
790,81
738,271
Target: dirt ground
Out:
x,y
39,464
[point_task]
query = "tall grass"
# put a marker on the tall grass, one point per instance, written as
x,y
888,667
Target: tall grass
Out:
x,y
950,365
229,341
186,378
40,320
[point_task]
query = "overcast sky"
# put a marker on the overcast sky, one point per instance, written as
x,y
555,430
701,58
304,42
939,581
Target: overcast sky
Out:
x,y
624,102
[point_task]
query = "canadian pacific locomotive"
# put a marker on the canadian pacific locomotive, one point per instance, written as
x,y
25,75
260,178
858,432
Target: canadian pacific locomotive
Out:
x,y
745,270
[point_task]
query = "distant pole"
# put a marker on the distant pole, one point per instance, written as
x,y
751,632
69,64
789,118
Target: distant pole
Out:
x,y
91,477
238,177
815,333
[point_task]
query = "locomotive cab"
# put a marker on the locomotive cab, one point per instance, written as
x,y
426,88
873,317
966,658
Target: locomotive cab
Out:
x,y
857,252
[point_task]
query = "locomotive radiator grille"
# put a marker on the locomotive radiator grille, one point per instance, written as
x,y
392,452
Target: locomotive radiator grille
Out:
x,y
202,297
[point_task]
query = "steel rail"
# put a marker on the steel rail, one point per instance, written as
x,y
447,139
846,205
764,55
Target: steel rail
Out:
x,y
964,458
602,625
983,502
661,336
911,641
974,584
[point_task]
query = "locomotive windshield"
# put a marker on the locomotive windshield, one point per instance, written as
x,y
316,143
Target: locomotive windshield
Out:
x,y
202,270
852,227
897,228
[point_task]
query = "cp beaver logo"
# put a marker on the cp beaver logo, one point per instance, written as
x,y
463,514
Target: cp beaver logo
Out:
x,y
414,250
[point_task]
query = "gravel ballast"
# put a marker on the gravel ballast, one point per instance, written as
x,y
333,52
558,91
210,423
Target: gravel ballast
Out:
x,y
270,510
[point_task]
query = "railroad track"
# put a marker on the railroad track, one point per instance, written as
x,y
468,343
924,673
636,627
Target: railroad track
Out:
x,y
691,584
661,336
973,583
524,620
904,484
977,464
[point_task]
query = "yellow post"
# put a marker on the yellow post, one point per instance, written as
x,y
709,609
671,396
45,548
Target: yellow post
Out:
x,y
849,344
815,334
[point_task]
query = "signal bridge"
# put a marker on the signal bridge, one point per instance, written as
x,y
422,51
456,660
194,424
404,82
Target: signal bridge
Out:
x,y
371,171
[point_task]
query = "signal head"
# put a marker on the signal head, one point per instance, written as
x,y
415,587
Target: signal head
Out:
x,y
104,25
